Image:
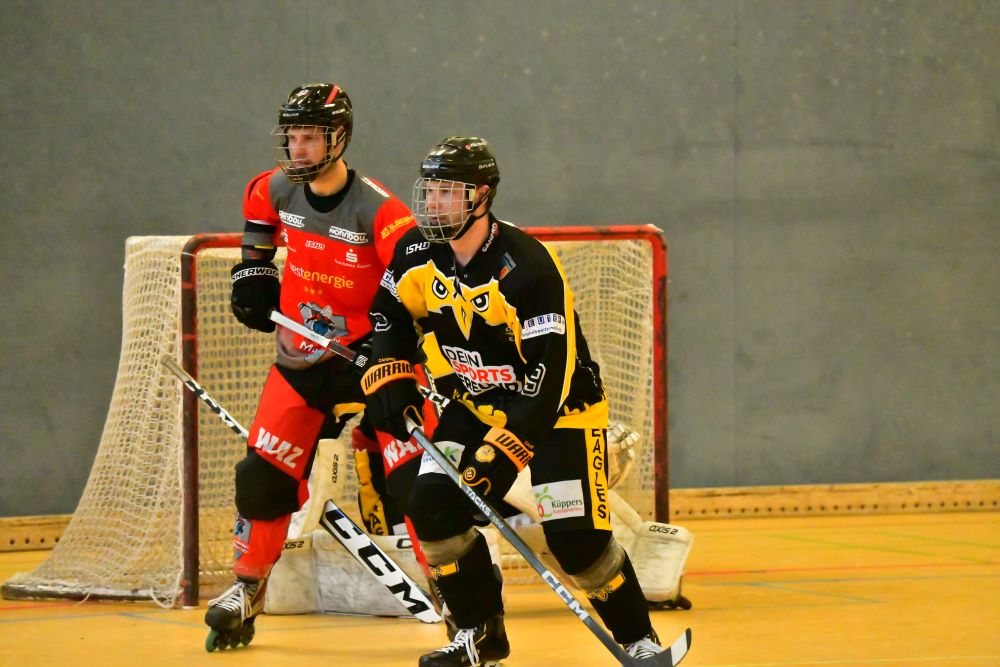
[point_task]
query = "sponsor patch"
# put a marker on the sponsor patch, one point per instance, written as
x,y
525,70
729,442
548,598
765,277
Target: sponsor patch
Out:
x,y
319,277
543,324
507,265
489,241
280,450
560,500
469,366
357,238
370,183
451,450
398,451
241,537
292,220
388,282
395,224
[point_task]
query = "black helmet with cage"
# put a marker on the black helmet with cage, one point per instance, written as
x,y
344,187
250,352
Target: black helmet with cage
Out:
x,y
445,195
323,106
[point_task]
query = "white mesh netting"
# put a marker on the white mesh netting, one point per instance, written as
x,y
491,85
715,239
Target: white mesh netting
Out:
x,y
125,538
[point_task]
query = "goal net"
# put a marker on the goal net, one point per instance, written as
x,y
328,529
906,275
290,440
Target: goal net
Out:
x,y
156,517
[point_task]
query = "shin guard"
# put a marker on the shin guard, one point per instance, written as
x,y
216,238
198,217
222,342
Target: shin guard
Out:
x,y
471,585
622,606
257,545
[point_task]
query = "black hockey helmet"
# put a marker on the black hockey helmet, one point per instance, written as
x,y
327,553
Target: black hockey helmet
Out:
x,y
321,105
462,164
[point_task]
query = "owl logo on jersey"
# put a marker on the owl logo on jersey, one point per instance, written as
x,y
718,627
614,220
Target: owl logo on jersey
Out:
x,y
466,302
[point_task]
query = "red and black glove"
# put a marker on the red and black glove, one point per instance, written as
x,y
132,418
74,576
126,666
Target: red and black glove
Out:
x,y
256,292
391,394
493,467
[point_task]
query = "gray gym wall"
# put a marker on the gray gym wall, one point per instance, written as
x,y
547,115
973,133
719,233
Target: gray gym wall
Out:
x,y
827,174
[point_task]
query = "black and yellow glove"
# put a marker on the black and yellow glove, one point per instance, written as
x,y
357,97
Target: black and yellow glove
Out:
x,y
493,467
391,395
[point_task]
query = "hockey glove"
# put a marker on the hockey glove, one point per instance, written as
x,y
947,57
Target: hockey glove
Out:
x,y
391,394
256,292
494,466
363,348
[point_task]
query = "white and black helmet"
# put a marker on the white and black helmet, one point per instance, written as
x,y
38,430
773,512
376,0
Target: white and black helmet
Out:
x,y
456,166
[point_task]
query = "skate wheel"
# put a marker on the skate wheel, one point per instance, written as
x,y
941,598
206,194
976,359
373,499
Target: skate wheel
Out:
x,y
248,633
683,602
215,641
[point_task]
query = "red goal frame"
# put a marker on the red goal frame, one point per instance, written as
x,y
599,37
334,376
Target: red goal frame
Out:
x,y
189,362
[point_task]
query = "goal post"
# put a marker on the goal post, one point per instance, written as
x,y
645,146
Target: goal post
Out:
x,y
156,517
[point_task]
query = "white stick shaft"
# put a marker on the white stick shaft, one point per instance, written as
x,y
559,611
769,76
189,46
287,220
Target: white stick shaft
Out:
x,y
200,392
334,521
377,563
279,318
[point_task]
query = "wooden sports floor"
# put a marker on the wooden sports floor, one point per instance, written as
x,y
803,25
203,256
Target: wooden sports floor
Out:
x,y
907,589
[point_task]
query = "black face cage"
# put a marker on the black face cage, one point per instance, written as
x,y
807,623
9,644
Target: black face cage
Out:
x,y
442,209
295,171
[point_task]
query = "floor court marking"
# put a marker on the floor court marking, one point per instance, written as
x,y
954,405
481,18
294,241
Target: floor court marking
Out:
x,y
833,568
705,525
868,661
941,540
858,580
867,547
790,588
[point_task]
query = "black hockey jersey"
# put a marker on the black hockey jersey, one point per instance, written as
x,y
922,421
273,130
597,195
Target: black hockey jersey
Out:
x,y
505,323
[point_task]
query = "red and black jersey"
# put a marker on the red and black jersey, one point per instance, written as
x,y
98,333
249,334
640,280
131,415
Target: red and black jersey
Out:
x,y
338,248
505,323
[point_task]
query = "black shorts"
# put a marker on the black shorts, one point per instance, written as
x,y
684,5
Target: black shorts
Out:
x,y
568,470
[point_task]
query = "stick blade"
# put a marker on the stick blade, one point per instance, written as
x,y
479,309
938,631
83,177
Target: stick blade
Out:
x,y
671,656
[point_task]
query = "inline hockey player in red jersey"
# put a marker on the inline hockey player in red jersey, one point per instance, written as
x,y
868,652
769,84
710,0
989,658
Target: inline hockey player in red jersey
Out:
x,y
340,228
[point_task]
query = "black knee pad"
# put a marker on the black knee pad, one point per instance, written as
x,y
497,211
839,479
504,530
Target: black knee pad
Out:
x,y
262,491
577,550
437,508
399,484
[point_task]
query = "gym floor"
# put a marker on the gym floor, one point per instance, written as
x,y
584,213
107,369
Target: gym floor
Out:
x,y
907,589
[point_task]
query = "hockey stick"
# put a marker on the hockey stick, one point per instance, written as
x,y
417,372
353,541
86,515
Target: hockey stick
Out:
x,y
358,360
366,552
672,655
336,522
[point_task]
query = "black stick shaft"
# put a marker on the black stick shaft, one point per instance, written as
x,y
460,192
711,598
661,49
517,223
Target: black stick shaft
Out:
x,y
522,548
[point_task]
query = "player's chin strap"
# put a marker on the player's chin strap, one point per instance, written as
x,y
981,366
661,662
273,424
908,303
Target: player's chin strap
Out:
x,y
337,523
670,656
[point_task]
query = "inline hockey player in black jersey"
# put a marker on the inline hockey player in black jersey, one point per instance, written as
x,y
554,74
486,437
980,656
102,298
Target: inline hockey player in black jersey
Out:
x,y
499,306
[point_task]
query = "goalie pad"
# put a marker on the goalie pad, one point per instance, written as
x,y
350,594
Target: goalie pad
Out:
x,y
658,551
325,481
315,574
